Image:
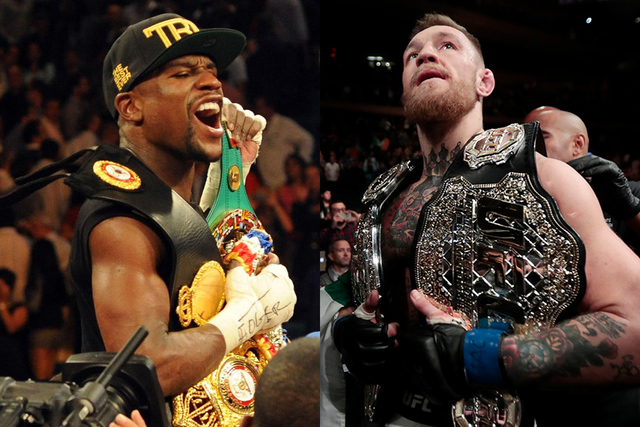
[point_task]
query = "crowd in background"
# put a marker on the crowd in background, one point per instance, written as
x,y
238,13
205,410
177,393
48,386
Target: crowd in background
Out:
x,y
51,105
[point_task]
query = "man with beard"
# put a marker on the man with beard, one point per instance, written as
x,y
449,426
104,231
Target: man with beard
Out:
x,y
464,263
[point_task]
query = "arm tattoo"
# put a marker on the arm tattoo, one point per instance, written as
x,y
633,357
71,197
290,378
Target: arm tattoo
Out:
x,y
564,350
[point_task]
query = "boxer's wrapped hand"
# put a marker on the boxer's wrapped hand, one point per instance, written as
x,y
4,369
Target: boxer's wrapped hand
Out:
x,y
246,130
254,304
609,184
366,348
276,294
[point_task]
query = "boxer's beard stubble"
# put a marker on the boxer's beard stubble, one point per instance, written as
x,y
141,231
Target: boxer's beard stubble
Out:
x,y
423,108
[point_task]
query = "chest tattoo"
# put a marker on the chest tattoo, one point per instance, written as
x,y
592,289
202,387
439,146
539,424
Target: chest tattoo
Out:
x,y
401,217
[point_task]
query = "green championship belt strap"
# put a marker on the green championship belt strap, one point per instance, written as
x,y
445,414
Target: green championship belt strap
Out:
x,y
231,215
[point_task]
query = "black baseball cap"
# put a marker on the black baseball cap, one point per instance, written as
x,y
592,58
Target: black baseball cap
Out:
x,y
151,43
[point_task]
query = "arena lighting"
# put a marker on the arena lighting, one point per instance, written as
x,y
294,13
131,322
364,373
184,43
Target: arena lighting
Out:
x,y
96,387
379,62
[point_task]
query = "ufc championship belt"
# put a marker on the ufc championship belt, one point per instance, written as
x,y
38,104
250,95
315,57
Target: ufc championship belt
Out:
x,y
492,246
226,395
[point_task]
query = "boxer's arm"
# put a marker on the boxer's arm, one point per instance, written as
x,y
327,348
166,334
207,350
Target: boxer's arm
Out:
x,y
128,292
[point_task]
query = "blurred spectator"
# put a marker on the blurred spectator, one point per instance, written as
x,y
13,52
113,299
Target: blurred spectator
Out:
x,y
13,329
55,196
6,180
234,80
343,225
97,33
295,188
40,227
371,167
67,73
51,121
325,207
288,22
281,139
304,267
13,104
332,172
15,18
89,136
137,10
47,297
339,254
14,252
76,106
26,137
35,67
273,216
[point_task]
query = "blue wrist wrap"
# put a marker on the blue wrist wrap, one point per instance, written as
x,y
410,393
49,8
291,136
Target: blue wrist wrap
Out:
x,y
482,357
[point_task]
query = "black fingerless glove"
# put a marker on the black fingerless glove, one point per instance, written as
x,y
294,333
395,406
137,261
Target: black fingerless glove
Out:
x,y
609,184
449,363
366,349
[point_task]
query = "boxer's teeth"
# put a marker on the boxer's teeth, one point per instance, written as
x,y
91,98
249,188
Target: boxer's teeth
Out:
x,y
215,108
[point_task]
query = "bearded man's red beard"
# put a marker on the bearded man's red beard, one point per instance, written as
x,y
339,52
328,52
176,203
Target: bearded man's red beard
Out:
x,y
422,108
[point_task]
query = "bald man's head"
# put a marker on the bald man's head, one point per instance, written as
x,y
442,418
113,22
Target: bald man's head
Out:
x,y
534,114
565,134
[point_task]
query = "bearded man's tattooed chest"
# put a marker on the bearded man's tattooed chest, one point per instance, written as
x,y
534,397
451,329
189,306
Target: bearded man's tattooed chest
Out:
x,y
401,217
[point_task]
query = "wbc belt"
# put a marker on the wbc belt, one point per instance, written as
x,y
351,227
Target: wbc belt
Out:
x,y
226,395
492,246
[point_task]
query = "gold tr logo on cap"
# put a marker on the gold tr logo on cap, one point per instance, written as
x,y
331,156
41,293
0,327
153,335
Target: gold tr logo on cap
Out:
x,y
187,27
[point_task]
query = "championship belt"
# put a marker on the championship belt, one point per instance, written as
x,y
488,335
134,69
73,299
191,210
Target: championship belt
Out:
x,y
492,247
226,395
366,262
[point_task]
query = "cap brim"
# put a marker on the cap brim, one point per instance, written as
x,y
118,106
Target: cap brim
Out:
x,y
222,45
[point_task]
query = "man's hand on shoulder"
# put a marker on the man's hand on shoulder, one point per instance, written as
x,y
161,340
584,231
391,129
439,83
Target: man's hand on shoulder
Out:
x,y
610,185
